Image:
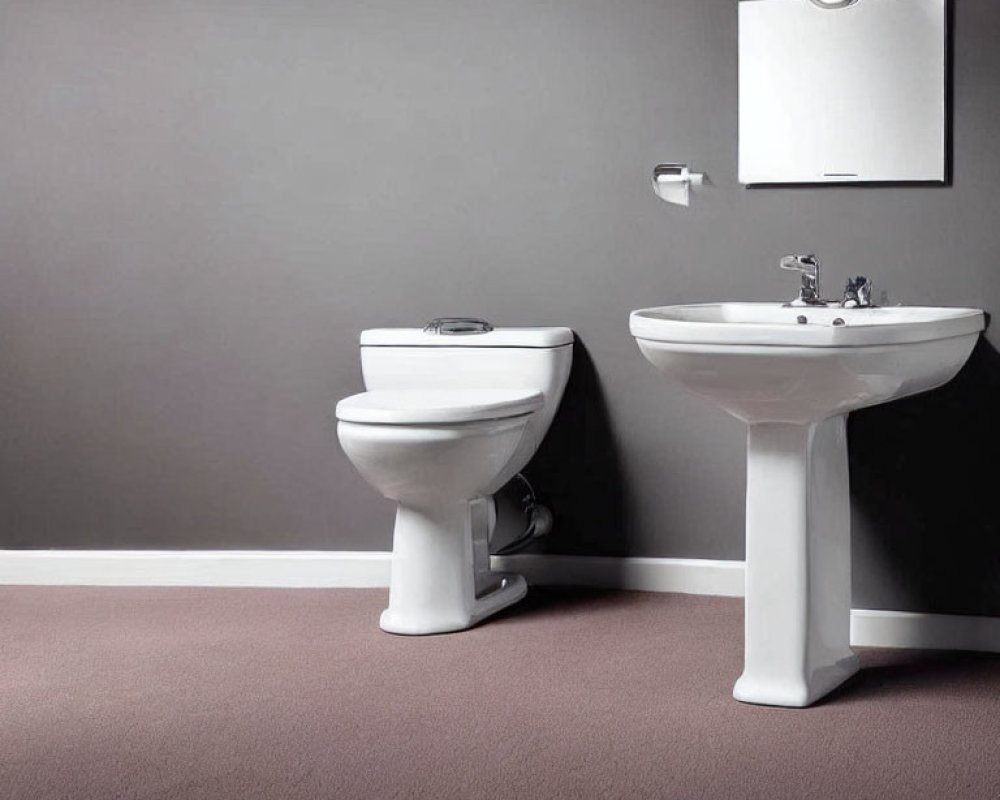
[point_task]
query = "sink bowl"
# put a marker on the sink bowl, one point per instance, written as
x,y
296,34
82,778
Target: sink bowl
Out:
x,y
770,362
793,374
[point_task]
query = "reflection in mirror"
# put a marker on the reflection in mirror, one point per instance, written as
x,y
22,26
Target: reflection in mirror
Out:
x,y
833,3
841,91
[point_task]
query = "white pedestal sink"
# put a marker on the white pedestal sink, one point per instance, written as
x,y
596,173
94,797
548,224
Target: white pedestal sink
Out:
x,y
793,374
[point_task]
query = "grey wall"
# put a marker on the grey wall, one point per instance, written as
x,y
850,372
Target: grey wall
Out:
x,y
203,203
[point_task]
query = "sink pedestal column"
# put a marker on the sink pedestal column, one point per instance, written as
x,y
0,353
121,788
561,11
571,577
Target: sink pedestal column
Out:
x,y
798,563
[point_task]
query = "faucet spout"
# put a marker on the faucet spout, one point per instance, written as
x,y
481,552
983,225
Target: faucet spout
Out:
x,y
808,267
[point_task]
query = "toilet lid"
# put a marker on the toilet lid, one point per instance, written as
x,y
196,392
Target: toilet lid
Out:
x,y
436,406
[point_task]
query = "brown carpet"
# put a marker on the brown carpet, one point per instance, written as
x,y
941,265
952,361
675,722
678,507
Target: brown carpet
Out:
x,y
288,694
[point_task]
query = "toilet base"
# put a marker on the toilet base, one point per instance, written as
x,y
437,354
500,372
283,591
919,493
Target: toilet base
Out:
x,y
511,588
440,579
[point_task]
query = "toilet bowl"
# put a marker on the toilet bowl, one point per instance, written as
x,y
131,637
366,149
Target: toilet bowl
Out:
x,y
448,419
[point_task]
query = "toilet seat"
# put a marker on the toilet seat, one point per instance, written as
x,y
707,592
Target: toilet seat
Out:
x,y
436,406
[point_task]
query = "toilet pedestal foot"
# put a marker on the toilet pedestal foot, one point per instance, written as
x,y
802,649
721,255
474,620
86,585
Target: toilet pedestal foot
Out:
x,y
438,582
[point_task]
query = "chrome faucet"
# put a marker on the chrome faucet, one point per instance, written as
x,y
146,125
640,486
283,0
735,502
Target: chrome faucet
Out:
x,y
808,267
857,293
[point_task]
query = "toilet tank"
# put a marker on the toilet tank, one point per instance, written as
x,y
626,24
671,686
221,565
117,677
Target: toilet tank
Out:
x,y
536,359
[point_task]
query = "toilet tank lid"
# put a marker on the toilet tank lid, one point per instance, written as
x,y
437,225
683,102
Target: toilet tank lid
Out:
x,y
498,337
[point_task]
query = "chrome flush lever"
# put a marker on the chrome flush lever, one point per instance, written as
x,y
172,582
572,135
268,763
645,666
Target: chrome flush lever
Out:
x,y
457,326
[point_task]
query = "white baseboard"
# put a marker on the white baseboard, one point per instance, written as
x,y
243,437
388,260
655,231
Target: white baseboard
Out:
x,y
261,568
356,569
684,575
879,628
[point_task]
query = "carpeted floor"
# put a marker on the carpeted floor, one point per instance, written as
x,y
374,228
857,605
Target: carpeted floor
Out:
x,y
288,694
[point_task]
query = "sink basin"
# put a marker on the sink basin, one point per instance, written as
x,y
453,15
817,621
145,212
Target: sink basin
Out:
x,y
760,362
793,374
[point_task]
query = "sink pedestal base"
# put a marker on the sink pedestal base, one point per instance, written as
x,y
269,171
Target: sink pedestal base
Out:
x,y
798,563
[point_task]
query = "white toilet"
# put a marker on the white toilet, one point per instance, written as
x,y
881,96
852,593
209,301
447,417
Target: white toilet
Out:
x,y
452,412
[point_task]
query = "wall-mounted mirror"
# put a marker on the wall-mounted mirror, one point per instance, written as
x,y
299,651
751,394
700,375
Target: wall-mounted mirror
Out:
x,y
841,91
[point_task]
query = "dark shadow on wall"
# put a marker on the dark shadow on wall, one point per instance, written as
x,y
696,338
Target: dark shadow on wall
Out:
x,y
577,471
925,489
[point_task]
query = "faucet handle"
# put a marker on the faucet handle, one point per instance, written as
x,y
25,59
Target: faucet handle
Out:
x,y
808,267
858,293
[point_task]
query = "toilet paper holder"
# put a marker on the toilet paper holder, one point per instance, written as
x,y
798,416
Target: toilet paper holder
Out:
x,y
672,182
